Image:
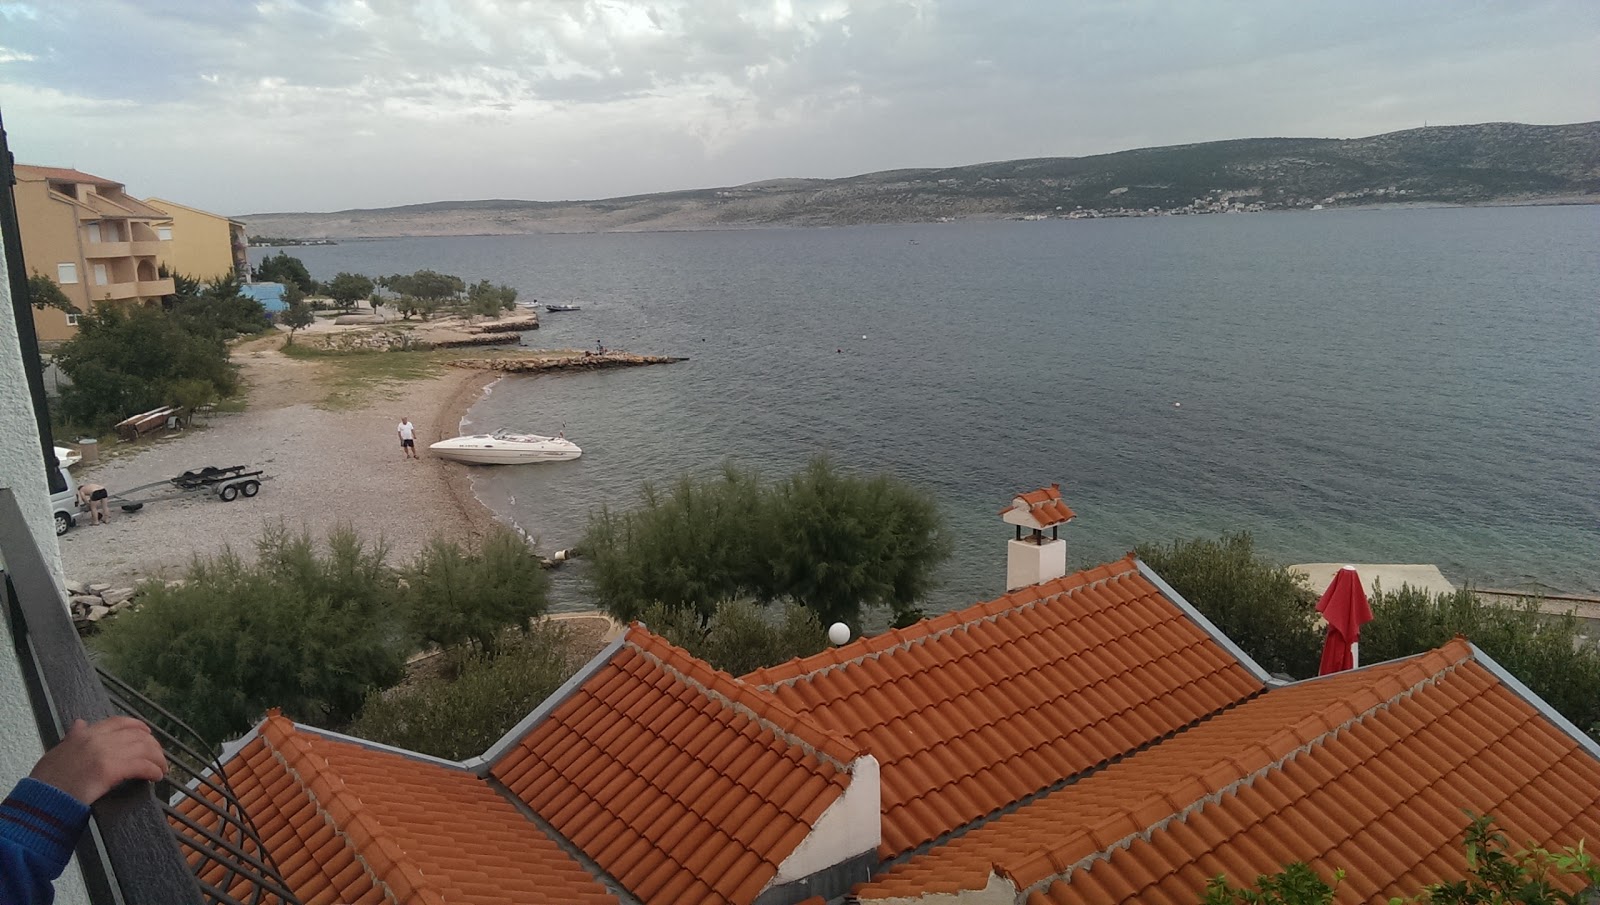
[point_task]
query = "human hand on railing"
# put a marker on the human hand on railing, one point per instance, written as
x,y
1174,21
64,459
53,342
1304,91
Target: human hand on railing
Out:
x,y
95,758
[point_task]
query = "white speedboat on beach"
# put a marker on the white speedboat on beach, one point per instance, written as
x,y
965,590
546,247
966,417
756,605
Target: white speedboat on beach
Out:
x,y
506,448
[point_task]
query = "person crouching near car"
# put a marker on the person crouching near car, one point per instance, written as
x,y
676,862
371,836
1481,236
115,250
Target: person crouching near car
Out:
x,y
93,498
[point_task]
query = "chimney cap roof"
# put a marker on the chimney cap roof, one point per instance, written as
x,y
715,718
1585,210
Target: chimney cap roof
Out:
x,y
1038,509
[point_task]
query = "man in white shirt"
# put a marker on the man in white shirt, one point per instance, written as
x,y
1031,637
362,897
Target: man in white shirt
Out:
x,y
408,438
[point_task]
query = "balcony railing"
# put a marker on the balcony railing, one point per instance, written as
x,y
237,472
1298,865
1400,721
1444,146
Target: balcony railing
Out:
x,y
96,250
183,841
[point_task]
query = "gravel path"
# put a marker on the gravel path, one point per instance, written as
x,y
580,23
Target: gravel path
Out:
x,y
324,468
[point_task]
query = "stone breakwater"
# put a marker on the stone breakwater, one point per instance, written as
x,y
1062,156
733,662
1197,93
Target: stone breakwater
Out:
x,y
565,361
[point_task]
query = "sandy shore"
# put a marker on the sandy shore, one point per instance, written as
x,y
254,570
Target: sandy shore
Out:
x,y
324,468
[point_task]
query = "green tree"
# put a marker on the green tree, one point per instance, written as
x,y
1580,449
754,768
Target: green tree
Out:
x,y
297,316
464,710
311,633
689,547
425,284
1268,610
221,309
284,268
836,543
832,542
740,636
44,293
453,596
348,288
1549,653
126,360
489,300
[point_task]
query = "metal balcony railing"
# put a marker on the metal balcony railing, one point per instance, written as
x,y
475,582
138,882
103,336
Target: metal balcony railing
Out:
x,y
184,840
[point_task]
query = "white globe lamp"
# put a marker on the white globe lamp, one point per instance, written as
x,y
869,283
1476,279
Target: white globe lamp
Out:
x,y
839,633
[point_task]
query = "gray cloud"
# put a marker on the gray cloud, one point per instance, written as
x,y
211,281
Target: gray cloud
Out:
x,y
324,104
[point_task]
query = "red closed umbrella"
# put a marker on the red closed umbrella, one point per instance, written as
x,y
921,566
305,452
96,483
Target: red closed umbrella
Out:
x,y
1344,605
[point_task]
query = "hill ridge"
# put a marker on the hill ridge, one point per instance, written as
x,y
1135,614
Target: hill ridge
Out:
x,y
1454,164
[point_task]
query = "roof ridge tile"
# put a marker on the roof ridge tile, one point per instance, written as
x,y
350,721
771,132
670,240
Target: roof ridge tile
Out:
x,y
400,881
1037,871
753,703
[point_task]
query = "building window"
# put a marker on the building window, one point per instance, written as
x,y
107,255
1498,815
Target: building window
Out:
x,y
164,233
72,320
66,273
101,277
94,232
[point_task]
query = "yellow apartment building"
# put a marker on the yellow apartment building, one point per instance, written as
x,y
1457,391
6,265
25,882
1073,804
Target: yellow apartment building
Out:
x,y
204,245
93,238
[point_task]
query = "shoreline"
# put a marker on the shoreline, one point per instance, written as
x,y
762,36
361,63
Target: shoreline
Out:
x,y
471,388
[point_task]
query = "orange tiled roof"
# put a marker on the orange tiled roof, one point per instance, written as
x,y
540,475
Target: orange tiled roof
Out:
x,y
975,710
1045,506
352,824
1367,771
683,783
62,174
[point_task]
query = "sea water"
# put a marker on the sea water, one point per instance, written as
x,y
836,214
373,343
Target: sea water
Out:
x,y
1359,386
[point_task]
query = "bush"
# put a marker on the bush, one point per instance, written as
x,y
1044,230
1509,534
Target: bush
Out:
x,y
1297,884
688,548
126,360
1495,876
44,293
1548,653
313,634
1267,610
832,542
460,716
740,636
453,596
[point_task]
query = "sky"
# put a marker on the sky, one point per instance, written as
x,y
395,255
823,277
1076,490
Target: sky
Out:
x,y
315,105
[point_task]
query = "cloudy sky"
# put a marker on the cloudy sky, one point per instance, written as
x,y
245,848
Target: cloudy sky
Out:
x,y
278,105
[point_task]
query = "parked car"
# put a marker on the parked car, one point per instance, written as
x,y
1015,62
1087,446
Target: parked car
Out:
x,y
65,504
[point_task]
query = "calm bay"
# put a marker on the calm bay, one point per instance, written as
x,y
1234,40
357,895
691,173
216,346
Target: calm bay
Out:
x,y
1366,386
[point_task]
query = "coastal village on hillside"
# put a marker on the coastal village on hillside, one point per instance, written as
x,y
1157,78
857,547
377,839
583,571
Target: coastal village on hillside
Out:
x,y
1091,736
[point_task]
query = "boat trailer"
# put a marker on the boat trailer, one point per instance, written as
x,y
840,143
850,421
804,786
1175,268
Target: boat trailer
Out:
x,y
228,484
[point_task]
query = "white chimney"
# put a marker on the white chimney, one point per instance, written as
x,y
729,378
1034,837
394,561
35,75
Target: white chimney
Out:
x,y
1033,557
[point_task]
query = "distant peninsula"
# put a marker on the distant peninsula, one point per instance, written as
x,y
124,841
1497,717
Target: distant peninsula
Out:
x,y
1490,163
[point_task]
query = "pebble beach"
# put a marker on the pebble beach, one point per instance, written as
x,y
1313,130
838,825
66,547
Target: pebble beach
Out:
x,y
324,467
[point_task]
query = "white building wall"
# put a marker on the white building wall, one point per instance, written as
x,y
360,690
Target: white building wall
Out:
x,y
23,472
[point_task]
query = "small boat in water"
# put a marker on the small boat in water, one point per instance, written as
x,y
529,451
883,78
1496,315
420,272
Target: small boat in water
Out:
x,y
506,448
554,308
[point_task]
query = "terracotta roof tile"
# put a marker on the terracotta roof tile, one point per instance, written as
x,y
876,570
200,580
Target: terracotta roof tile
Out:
x,y
682,782
348,823
973,711
1369,771
1044,506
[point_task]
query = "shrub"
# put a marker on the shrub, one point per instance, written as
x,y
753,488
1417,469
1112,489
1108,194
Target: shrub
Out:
x,y
311,633
454,596
1297,884
832,542
460,716
1548,653
126,360
1268,610
740,636
687,548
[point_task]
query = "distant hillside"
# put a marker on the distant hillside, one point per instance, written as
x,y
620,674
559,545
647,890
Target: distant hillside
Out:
x,y
1488,163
